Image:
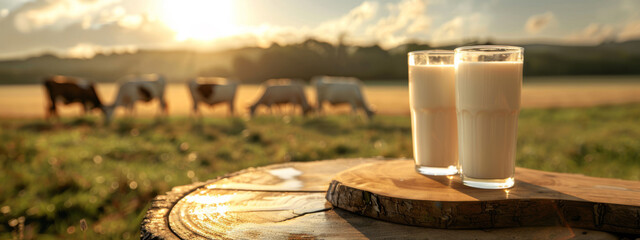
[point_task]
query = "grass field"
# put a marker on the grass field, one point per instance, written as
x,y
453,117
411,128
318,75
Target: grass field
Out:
x,y
54,174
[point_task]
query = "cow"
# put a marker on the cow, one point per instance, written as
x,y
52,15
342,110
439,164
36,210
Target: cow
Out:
x,y
282,91
284,81
212,91
340,90
141,87
71,90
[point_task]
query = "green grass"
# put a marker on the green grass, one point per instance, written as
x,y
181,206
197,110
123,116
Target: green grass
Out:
x,y
598,141
54,174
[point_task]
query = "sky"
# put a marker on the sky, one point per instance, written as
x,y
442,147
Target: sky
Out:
x,y
81,28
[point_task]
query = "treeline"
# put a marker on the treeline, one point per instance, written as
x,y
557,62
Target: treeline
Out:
x,y
311,57
372,62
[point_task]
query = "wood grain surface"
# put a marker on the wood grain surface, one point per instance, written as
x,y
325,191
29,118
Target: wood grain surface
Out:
x,y
393,191
288,201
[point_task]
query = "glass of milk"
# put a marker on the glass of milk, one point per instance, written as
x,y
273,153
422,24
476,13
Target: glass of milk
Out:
x,y
488,85
433,111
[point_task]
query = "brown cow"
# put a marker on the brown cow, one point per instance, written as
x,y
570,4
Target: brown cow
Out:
x,y
71,90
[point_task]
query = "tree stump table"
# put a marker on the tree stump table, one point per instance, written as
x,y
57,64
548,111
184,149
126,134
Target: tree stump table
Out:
x,y
378,198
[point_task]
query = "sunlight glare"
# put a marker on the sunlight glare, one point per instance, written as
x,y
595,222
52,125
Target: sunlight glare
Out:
x,y
199,19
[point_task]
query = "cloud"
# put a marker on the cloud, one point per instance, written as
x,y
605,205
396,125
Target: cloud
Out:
x,y
331,30
464,26
81,28
421,24
449,31
131,21
55,13
104,26
148,34
537,23
4,12
88,50
110,15
352,20
630,31
404,20
594,33
83,50
406,17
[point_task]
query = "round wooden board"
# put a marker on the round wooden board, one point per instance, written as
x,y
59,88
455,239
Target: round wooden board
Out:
x,y
288,201
393,191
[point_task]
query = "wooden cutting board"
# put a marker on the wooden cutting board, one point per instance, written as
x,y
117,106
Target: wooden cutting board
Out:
x,y
394,192
287,201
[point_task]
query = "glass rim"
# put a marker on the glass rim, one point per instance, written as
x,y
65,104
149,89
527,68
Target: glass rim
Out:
x,y
432,52
489,49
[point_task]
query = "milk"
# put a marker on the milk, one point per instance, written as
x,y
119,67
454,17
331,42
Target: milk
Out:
x,y
433,118
488,103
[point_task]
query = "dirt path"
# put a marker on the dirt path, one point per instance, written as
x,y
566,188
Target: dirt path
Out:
x,y
28,101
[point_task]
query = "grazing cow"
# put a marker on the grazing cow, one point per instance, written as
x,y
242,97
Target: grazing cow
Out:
x,y
71,90
340,90
144,88
213,91
284,81
282,91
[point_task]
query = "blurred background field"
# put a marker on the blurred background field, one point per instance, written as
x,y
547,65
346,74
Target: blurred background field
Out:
x,y
581,94
55,173
388,97
311,57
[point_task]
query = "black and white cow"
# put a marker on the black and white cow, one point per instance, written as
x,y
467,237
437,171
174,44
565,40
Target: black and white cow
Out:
x,y
213,91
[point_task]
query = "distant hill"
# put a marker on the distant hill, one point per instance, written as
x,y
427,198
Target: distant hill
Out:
x,y
176,65
310,58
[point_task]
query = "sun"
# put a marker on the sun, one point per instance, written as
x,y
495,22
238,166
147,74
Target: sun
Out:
x,y
199,19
